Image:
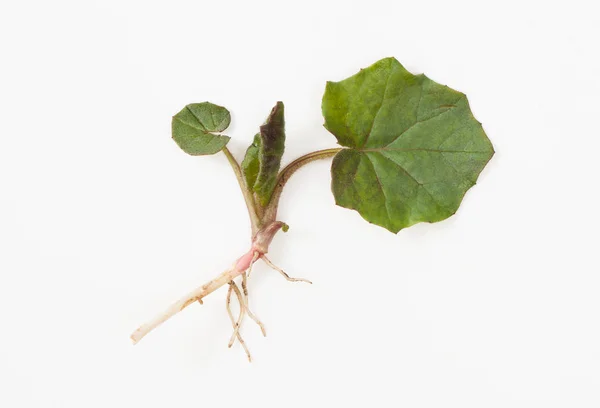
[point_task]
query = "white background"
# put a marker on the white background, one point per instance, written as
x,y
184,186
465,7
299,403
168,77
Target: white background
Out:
x,y
104,221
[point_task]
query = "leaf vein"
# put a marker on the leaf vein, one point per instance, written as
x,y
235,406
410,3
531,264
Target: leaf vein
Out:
x,y
385,199
422,185
385,89
197,118
415,124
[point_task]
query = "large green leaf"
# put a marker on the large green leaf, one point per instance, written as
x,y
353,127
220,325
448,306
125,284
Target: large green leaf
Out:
x,y
194,125
263,158
413,145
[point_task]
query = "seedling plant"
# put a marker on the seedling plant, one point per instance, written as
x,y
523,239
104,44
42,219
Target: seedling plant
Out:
x,y
410,150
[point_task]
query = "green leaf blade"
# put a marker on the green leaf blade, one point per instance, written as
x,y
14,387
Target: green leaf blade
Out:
x,y
193,127
270,152
414,146
251,163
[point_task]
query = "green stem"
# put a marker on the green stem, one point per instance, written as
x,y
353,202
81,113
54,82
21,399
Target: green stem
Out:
x,y
285,174
250,203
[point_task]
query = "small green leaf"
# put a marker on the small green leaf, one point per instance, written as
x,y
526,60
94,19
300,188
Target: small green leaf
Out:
x,y
270,151
414,147
193,128
251,163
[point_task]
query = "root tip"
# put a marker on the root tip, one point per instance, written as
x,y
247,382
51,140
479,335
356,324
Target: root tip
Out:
x,y
135,337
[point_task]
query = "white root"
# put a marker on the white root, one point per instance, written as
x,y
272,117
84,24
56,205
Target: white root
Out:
x,y
281,271
195,295
245,290
234,323
237,325
243,267
254,258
